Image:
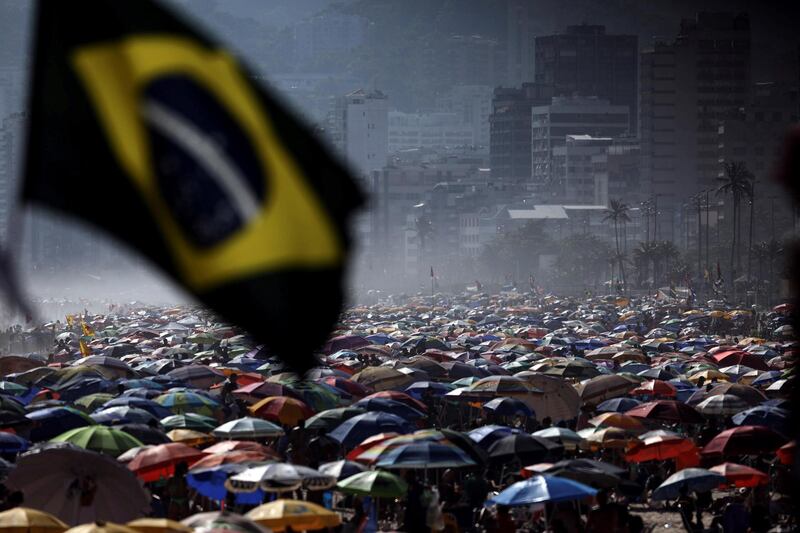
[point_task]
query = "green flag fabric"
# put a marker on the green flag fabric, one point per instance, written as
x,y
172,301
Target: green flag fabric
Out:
x,y
149,130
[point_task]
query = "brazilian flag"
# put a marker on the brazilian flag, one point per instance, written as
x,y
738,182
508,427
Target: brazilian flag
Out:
x,y
153,132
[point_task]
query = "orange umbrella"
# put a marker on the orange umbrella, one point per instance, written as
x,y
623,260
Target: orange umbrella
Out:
x,y
659,448
655,387
616,420
217,459
741,475
282,409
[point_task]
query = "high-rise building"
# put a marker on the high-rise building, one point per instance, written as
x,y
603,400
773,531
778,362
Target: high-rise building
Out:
x,y
359,128
519,42
510,130
585,60
688,86
585,117
428,130
473,105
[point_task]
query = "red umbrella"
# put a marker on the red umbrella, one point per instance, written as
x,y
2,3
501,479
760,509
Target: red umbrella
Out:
x,y
659,448
744,440
344,342
350,387
258,391
667,410
399,397
369,442
786,453
282,409
152,464
655,387
739,357
740,475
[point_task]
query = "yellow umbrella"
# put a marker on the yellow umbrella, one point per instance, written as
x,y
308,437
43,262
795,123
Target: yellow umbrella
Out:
x,y
190,437
101,527
299,515
25,520
708,375
158,525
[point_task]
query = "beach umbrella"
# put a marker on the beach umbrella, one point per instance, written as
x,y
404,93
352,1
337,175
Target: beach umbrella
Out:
x,y
749,394
741,475
774,418
27,520
655,387
765,378
190,437
369,443
122,415
692,479
617,420
424,455
319,396
502,386
559,400
263,389
351,387
565,436
248,428
213,460
53,421
92,402
420,388
187,402
398,396
144,432
375,483
380,378
505,406
485,436
600,388
101,439
387,405
239,446
189,421
525,448
210,482
722,405
668,411
657,374
587,471
280,515
739,357
659,448
617,405
158,462
282,409
219,521
279,477
786,453
606,437
542,489
79,486
101,526
342,469
158,525
354,430
155,409
330,418
744,440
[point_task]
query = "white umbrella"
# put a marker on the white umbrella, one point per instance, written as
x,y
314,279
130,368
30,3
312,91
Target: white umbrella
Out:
x,y
279,477
247,428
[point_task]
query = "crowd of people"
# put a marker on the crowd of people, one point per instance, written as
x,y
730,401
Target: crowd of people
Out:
x,y
473,412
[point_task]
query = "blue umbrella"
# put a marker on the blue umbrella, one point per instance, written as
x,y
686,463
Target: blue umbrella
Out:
x,y
53,421
141,384
783,403
425,454
693,479
541,489
10,443
122,414
767,377
141,392
434,387
79,387
353,431
508,407
617,405
764,415
155,409
210,482
485,436
387,405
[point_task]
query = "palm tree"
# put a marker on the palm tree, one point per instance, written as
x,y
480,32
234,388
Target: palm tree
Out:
x,y
644,255
737,182
617,213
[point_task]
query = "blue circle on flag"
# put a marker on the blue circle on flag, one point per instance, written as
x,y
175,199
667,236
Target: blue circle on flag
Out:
x,y
207,170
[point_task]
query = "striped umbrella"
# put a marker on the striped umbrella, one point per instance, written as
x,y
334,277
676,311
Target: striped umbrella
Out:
x,y
424,455
188,402
722,405
102,439
282,409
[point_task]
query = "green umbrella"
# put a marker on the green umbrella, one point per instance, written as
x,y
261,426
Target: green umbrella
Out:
x,y
189,421
376,483
316,396
188,402
465,382
327,420
101,439
90,402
